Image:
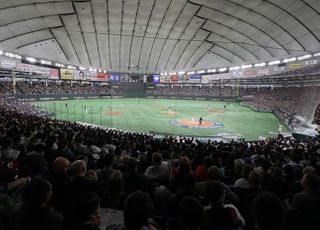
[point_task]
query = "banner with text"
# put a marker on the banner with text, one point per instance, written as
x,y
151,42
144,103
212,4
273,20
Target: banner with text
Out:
x,y
214,77
195,78
250,73
45,71
295,66
311,62
66,74
8,63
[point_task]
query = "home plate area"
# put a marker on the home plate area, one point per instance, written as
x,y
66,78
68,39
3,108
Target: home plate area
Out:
x,y
193,124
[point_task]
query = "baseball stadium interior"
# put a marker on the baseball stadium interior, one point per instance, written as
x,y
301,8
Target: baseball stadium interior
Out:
x,y
160,114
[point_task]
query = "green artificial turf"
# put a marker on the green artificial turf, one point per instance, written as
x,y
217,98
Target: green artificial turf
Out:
x,y
145,115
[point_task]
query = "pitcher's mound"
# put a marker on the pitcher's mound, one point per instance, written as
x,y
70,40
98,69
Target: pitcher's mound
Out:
x,y
114,113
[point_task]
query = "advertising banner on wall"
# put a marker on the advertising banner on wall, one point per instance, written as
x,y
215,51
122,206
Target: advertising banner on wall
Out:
x,y
295,66
34,69
186,78
237,74
156,79
174,78
91,75
66,74
214,77
8,63
103,77
79,74
278,69
54,73
262,72
114,78
42,70
250,73
25,68
195,78
162,79
311,62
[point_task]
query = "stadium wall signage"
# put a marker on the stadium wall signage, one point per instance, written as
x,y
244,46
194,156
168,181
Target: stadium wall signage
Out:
x,y
22,97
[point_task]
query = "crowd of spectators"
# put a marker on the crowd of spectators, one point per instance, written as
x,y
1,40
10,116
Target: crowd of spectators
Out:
x,y
64,175
317,115
24,87
202,91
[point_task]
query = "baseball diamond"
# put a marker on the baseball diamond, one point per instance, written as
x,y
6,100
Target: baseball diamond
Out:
x,y
174,117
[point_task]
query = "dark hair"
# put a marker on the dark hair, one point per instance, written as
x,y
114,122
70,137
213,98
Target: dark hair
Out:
x,y
215,191
246,169
137,208
108,160
311,181
268,211
156,157
254,179
214,173
85,206
36,192
191,211
40,147
208,161
132,163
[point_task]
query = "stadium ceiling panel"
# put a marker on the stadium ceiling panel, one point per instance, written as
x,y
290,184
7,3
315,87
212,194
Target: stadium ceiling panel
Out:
x,y
160,35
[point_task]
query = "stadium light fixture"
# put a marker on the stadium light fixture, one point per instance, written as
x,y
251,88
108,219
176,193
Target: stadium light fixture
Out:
x,y
289,60
212,70
182,72
260,64
201,71
44,62
316,54
31,59
191,72
82,68
60,65
12,55
234,68
246,66
304,57
9,54
222,69
274,62
71,67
